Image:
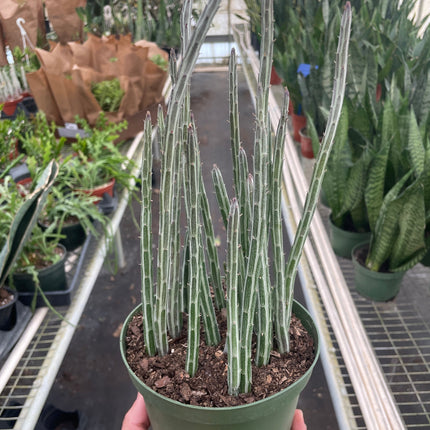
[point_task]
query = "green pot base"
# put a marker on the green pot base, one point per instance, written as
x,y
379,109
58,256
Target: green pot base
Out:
x,y
376,286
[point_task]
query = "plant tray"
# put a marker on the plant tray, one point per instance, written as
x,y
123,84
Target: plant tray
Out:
x,y
55,298
9,338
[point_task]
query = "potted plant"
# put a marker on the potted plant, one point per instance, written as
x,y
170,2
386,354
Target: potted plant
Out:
x,y
346,178
72,213
397,217
10,90
9,151
40,268
20,229
248,297
98,163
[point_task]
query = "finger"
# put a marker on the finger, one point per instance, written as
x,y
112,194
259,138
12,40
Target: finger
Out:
x,y
137,417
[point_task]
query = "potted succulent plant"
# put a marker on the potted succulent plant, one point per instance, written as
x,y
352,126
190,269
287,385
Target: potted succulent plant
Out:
x,y
250,303
396,194
346,178
20,229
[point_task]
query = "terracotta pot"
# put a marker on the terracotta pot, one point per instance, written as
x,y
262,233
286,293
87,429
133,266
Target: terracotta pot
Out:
x,y
101,190
305,144
9,106
275,79
25,186
299,122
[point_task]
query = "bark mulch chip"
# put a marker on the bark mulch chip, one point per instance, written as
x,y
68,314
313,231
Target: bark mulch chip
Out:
x,y
208,387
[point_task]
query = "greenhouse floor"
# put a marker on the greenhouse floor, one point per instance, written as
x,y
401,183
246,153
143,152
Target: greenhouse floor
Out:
x,y
92,379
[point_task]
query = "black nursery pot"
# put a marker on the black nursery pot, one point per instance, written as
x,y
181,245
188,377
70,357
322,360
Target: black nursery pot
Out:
x,y
75,235
8,312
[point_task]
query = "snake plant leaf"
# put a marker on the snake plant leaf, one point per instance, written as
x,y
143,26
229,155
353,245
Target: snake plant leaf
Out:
x,y
374,192
25,220
338,166
386,227
356,184
409,246
361,125
415,145
421,99
426,178
377,173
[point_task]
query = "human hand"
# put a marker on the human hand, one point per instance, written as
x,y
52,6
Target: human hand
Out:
x,y
298,421
136,418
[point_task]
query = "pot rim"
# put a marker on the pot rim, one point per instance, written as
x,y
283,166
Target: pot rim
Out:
x,y
372,273
49,268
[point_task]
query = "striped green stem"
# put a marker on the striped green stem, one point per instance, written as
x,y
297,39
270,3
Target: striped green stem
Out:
x,y
245,202
206,304
146,239
234,120
215,275
280,300
259,240
323,155
221,194
174,113
194,280
233,319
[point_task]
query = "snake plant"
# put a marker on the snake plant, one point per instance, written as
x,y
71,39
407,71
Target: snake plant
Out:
x,y
398,217
24,221
255,302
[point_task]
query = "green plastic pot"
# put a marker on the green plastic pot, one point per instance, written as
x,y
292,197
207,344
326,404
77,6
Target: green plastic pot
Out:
x,y
377,286
343,241
273,413
51,278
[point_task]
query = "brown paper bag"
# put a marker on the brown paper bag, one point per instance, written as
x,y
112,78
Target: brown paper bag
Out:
x,y
41,91
32,12
64,19
155,78
69,71
3,58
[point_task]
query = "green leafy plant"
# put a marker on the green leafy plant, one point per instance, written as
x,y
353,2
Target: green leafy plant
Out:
x,y
40,142
118,21
25,59
65,207
108,94
9,155
159,21
160,62
98,157
255,303
346,177
24,219
396,192
39,251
